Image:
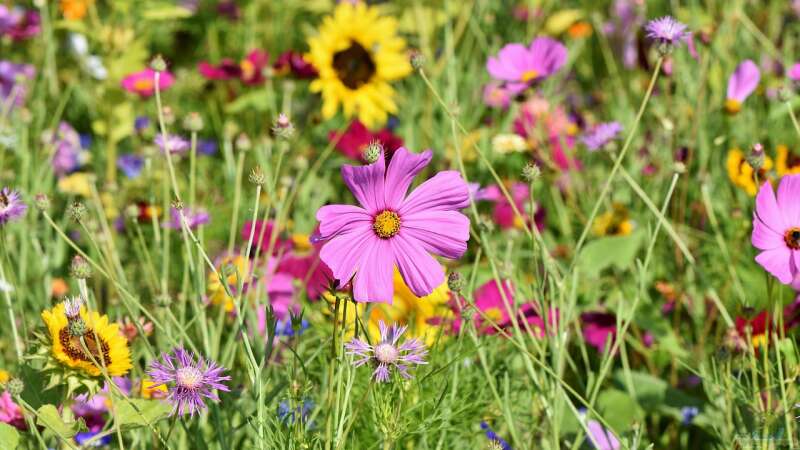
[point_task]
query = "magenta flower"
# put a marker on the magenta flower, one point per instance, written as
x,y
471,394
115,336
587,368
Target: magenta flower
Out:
x,y
144,83
496,95
794,72
387,354
11,206
189,380
392,229
742,83
599,329
519,66
776,228
10,412
194,218
666,30
494,306
503,214
600,135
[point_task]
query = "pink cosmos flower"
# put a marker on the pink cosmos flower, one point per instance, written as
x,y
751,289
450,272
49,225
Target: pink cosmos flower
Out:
x,y
496,96
776,229
519,66
537,119
794,72
394,229
10,412
742,83
503,214
144,83
599,329
490,301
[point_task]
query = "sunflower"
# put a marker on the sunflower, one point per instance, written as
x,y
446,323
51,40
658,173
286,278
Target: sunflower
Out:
x,y
740,171
786,162
68,349
357,53
613,223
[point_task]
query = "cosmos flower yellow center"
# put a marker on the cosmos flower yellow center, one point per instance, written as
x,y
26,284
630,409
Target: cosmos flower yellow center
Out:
x,y
733,106
248,69
386,353
189,377
494,314
354,66
386,224
529,75
74,349
143,84
792,238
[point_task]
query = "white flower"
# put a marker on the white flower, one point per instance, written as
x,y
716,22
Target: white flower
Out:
x,y
507,143
5,286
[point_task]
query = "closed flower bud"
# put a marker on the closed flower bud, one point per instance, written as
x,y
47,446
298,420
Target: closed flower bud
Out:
x,y
455,281
531,172
785,93
163,300
283,127
79,268
257,176
756,157
417,60
373,152
158,64
76,211
177,204
243,143
77,327
15,387
42,202
169,115
193,122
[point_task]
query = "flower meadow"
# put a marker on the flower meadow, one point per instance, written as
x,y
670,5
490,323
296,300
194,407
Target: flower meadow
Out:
x,y
478,224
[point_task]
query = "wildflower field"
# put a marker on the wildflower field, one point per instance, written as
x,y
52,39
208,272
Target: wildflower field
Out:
x,y
407,224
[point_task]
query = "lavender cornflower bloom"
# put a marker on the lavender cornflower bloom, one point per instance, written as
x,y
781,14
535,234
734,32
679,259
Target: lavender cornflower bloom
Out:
x,y
288,416
131,165
10,76
206,147
600,135
69,155
666,31
72,307
494,437
194,218
189,380
11,206
386,353
176,144
689,413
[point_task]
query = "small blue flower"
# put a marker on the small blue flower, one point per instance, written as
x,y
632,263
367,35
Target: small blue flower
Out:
x,y
689,413
492,436
130,164
206,147
83,438
287,416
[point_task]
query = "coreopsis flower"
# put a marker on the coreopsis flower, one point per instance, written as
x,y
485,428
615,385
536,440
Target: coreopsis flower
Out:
x,y
358,54
741,84
143,82
786,161
190,380
388,353
615,222
234,269
666,30
101,337
357,137
741,172
776,228
394,229
11,206
600,135
519,66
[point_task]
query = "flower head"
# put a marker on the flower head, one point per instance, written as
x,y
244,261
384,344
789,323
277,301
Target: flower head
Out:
x,y
18,23
496,441
176,144
496,95
503,214
742,83
144,83
194,218
131,165
11,89
11,206
387,354
600,135
666,30
189,379
599,329
10,412
295,63
776,228
394,229
519,66
357,138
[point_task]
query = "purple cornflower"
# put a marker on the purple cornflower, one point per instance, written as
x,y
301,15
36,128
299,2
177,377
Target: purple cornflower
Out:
x,y
141,124
69,155
206,147
12,77
189,379
386,353
689,413
131,165
494,437
176,144
194,218
600,135
666,30
11,206
287,415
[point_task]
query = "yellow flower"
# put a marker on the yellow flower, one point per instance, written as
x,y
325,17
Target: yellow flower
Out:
x,y
741,173
4,376
216,290
69,350
74,9
509,143
614,222
150,390
786,163
357,53
422,315
78,183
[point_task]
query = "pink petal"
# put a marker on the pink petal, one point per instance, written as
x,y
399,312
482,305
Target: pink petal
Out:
x,y
789,200
509,64
401,172
420,271
336,219
343,253
765,238
444,233
744,80
767,209
367,184
778,262
373,281
445,191
548,55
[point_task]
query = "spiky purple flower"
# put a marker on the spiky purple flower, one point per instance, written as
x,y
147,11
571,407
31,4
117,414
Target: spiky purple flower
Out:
x,y
189,379
386,354
11,206
194,218
600,135
666,30
176,144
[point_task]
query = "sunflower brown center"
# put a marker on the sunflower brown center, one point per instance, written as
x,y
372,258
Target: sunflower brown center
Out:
x,y
386,224
354,65
73,348
792,238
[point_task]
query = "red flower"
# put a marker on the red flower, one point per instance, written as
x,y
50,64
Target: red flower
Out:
x,y
355,140
293,62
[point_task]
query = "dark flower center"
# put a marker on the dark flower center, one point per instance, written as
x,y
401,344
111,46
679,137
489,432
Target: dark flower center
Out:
x,y
792,238
354,66
386,224
73,348
792,160
3,200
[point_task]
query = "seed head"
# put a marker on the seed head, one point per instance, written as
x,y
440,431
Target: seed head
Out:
x,y
455,281
756,156
193,122
15,387
76,211
42,202
531,172
79,268
417,60
158,64
257,176
373,152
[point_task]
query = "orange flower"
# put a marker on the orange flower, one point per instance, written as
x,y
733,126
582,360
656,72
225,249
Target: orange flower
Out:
x,y
74,9
58,288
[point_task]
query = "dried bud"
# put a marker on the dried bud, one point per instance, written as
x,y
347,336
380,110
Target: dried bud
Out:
x,y
417,60
42,202
243,143
283,127
531,172
785,93
15,387
79,268
158,64
257,176
756,156
169,115
373,152
455,281
193,122
76,211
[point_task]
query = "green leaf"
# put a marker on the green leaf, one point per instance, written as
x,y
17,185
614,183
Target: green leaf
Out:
x,y
604,252
9,436
48,417
36,392
140,412
619,409
257,100
166,12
